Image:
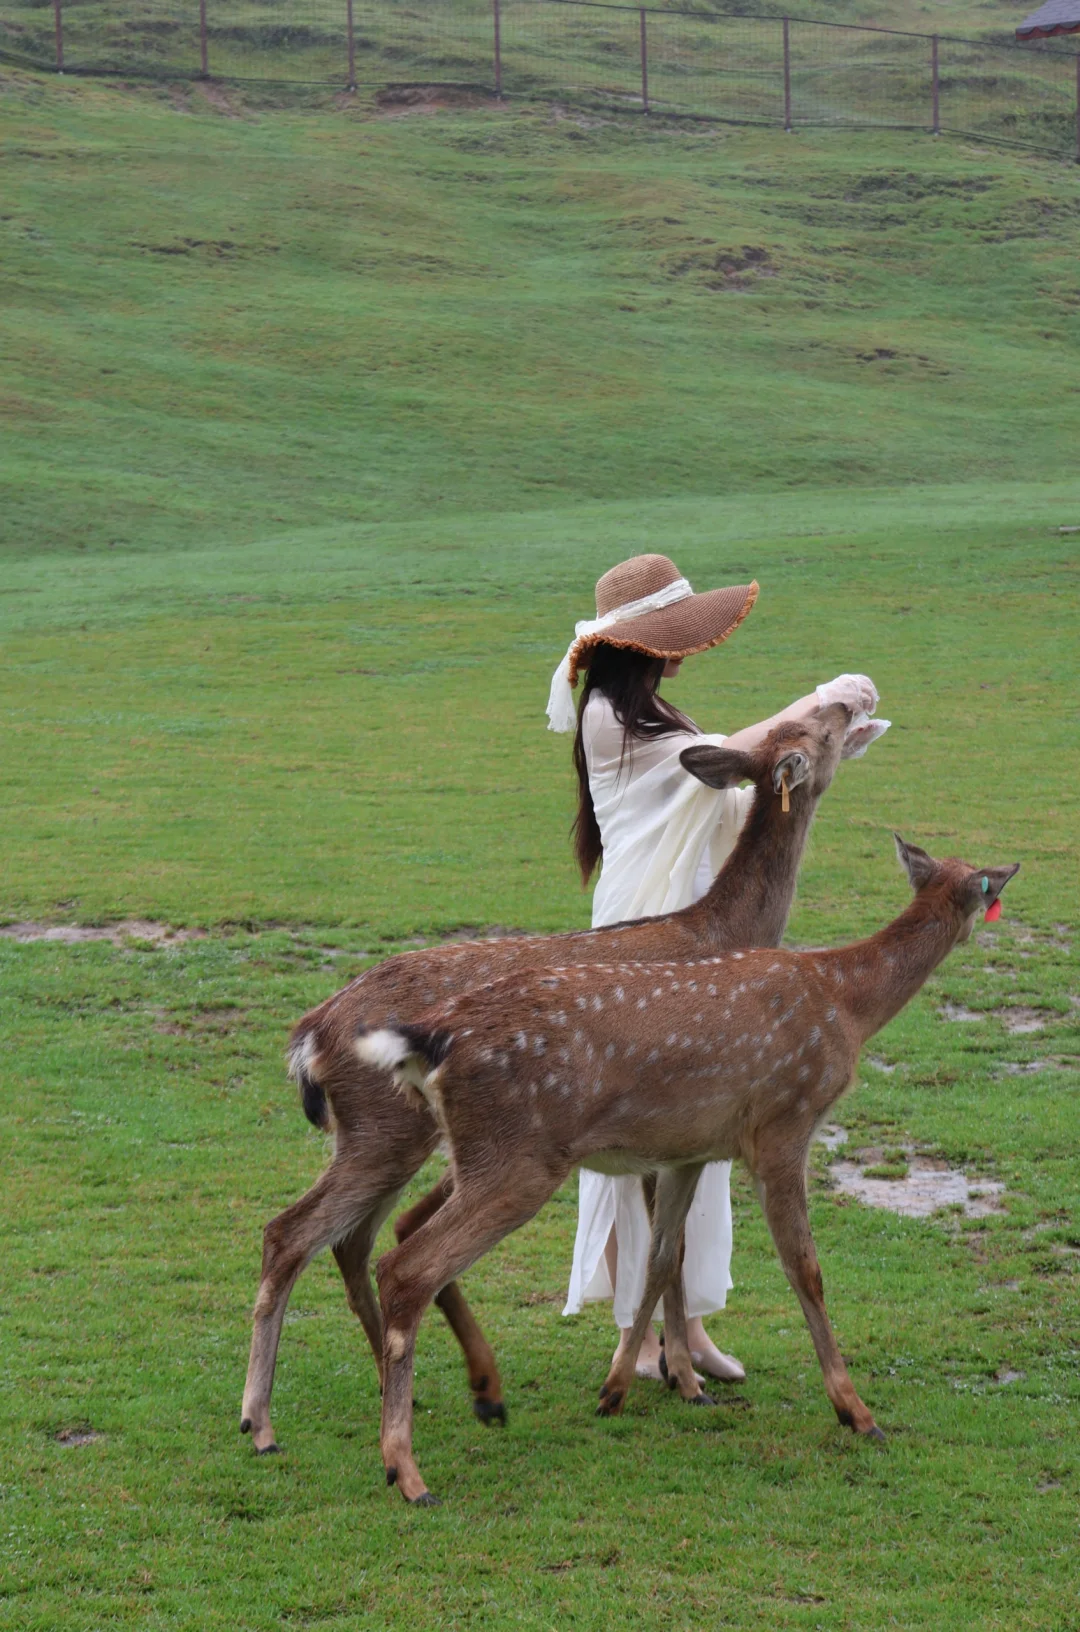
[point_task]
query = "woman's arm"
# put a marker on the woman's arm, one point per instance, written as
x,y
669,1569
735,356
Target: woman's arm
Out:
x,y
856,690
751,735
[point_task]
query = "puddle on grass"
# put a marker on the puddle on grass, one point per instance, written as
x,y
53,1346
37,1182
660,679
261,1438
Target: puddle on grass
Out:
x,y
131,929
1019,1021
77,1436
1023,1068
928,1185
957,1012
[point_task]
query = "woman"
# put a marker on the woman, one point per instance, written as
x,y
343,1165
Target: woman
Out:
x,y
660,837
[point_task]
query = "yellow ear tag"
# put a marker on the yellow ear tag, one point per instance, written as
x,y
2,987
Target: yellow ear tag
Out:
x,y
785,801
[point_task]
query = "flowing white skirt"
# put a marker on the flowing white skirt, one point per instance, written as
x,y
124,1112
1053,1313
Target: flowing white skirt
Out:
x,y
604,1201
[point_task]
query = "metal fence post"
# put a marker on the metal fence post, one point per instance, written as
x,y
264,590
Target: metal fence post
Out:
x,y
497,22
204,55
787,73
644,63
352,45
58,20
936,93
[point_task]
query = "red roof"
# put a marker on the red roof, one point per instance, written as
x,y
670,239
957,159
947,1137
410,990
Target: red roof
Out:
x,y
1055,17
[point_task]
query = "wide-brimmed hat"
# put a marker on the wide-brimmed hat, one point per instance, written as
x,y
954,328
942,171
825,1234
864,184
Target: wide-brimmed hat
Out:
x,y
645,604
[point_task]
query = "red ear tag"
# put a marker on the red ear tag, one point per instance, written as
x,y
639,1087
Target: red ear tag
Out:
x,y
993,913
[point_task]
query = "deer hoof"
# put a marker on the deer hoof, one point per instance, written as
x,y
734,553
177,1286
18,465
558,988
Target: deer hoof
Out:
x,y
702,1399
425,1499
490,1412
662,1365
245,1425
609,1402
268,1450
874,1433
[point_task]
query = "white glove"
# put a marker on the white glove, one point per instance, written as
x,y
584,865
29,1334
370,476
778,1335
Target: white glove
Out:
x,y
860,734
856,691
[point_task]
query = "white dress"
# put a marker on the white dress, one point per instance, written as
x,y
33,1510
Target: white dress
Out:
x,y
665,837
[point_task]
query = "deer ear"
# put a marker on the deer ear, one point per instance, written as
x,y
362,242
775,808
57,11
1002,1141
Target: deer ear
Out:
x,y
717,767
795,766
987,883
918,866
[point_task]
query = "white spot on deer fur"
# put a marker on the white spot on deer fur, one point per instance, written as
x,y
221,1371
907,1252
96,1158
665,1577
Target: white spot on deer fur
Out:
x,y
609,1051
711,990
582,1002
598,1004
386,1050
539,1045
738,956
658,991
830,1014
642,1003
672,1039
814,1036
521,1042
620,995
564,1056
653,1056
773,967
630,1050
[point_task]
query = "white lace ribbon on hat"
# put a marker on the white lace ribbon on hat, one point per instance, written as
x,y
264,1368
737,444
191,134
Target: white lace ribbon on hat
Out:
x,y
560,705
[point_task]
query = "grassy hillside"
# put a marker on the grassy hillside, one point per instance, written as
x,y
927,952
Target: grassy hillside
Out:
x,y
319,424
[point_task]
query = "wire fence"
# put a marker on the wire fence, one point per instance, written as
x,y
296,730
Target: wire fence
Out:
x,y
739,68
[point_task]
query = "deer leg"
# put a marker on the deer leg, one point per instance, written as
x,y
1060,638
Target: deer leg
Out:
x,y
471,1221
674,1193
783,1199
290,1241
353,1255
676,1361
484,1379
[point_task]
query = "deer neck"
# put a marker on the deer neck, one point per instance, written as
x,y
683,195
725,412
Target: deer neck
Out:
x,y
750,898
874,979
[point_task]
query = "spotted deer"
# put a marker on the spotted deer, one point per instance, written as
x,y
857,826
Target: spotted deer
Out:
x,y
380,1142
634,1067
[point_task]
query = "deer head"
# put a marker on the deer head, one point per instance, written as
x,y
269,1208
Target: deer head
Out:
x,y
801,753
968,890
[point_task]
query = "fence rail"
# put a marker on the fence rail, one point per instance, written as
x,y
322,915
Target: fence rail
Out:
x,y
740,68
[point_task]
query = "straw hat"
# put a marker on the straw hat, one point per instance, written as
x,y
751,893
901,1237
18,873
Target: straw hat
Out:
x,y
646,605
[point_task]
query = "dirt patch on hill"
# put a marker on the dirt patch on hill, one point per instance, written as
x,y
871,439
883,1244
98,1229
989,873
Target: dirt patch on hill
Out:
x,y
396,101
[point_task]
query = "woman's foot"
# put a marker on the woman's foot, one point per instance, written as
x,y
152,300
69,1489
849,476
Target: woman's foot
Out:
x,y
648,1360
709,1359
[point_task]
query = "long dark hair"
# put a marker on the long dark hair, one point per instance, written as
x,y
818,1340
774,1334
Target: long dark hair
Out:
x,y
628,680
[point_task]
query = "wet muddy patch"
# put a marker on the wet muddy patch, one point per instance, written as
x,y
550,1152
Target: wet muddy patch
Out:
x,y
129,929
80,1435
901,1180
1019,1019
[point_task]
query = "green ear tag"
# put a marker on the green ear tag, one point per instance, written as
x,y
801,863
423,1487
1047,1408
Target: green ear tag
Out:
x,y
986,886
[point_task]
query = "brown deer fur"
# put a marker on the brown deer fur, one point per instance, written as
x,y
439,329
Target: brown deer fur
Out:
x,y
629,1067
380,1142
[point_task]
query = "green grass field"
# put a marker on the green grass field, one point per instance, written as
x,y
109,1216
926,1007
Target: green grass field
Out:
x,y
319,426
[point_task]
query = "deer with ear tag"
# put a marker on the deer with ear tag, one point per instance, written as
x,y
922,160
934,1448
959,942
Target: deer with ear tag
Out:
x,y
641,1067
380,1142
